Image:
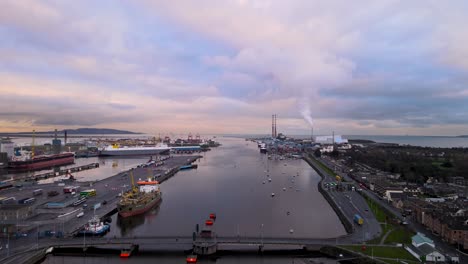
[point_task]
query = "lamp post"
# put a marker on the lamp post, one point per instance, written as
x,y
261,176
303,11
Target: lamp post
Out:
x,y
261,235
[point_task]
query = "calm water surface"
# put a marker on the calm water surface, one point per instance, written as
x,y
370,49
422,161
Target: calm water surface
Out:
x,y
229,182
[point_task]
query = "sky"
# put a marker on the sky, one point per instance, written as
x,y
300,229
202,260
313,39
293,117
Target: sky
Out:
x,y
225,66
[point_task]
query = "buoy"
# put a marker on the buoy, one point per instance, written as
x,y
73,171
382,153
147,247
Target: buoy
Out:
x,y
125,253
209,222
191,259
213,216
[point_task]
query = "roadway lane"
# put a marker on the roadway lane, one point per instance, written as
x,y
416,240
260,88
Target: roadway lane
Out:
x,y
351,203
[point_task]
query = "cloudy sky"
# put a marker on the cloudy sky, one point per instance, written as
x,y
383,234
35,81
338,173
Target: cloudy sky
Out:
x,y
225,66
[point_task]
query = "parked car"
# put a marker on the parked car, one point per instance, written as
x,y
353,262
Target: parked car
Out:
x,y
52,193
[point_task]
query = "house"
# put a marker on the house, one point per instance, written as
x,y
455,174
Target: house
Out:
x,y
426,253
396,198
420,239
423,248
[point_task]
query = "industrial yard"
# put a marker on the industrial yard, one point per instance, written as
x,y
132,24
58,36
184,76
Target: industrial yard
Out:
x,y
56,206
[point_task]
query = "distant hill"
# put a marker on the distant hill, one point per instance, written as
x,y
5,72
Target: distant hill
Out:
x,y
463,136
85,131
98,131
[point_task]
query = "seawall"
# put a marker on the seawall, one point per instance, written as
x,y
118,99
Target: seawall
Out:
x,y
347,223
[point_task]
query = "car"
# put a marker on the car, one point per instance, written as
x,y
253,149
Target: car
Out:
x,y
104,202
85,205
80,214
367,210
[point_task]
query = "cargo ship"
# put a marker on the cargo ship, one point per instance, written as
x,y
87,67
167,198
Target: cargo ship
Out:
x,y
26,162
139,200
116,150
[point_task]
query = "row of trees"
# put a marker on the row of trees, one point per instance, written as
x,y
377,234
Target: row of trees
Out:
x,y
415,164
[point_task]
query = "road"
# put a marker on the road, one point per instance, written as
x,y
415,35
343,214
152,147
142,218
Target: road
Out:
x,y
441,245
351,203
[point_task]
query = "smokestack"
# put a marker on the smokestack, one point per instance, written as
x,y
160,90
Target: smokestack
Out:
x,y
272,126
275,128
55,134
65,137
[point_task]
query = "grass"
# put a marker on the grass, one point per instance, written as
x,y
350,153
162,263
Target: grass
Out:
x,y
325,168
383,252
399,235
375,208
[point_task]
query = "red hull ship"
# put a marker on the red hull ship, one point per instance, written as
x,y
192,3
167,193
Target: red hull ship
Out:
x,y
43,161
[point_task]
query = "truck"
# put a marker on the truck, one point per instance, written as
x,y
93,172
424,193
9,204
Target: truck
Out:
x,y
70,189
88,193
28,200
37,192
358,219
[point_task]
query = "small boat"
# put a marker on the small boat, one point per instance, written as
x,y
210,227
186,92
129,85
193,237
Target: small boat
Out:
x,y
272,194
269,179
95,227
284,189
191,259
125,253
190,166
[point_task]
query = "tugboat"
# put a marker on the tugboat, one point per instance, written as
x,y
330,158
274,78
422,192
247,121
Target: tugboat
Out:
x,y
139,200
94,227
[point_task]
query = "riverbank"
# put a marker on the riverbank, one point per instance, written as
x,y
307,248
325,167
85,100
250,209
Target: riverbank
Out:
x,y
347,223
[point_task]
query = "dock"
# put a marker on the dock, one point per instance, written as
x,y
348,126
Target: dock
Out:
x,y
63,221
47,175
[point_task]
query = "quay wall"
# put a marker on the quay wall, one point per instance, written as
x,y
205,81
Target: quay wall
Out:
x,y
347,223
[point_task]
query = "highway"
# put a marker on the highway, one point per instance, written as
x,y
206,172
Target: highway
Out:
x,y
351,203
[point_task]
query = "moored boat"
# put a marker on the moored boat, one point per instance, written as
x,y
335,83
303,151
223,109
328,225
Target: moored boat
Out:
x,y
116,150
26,162
94,227
139,200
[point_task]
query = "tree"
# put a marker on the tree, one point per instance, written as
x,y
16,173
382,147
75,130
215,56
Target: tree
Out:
x,y
317,153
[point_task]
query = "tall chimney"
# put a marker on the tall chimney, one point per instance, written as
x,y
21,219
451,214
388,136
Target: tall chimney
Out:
x,y
65,137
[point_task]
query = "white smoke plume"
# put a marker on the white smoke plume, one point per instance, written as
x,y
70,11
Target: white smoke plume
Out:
x,y
306,114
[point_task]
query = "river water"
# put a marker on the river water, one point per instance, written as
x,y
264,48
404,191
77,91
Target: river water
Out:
x,y
229,182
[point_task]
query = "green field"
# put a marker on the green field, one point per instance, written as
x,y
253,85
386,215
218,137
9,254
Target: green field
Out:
x,y
384,252
323,167
399,235
375,208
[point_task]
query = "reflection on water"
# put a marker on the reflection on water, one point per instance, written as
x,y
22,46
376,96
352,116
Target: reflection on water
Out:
x,y
128,224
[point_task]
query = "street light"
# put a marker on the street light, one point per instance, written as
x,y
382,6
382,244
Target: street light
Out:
x,y
261,235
